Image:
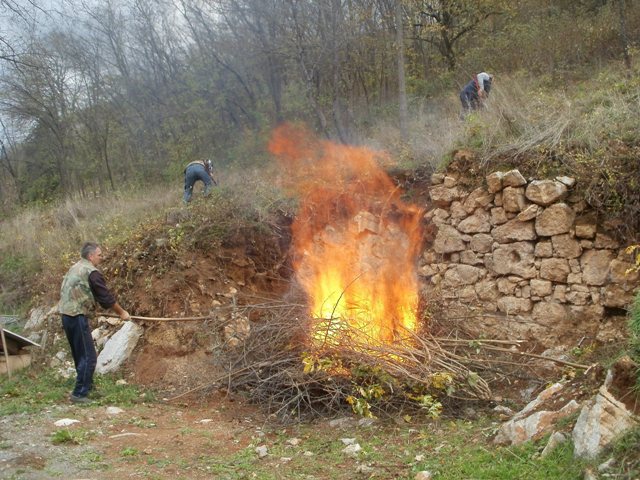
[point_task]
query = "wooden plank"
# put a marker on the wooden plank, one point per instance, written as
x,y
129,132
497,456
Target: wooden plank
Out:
x,y
16,362
6,352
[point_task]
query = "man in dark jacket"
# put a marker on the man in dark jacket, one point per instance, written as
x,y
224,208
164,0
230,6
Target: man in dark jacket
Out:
x,y
198,170
475,91
82,287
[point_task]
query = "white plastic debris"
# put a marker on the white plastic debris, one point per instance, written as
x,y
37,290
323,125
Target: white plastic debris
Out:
x,y
65,422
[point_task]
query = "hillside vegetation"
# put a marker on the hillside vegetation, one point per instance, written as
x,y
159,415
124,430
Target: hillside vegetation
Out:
x,y
102,104
111,97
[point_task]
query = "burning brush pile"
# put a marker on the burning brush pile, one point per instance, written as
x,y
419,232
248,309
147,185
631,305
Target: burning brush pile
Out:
x,y
357,334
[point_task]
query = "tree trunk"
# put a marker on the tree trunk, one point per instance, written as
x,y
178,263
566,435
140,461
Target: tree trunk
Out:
x,y
402,87
624,38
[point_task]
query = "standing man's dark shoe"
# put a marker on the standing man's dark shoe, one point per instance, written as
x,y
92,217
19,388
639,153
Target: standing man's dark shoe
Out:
x,y
76,399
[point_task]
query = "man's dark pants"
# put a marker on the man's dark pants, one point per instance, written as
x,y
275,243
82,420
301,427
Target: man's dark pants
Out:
x,y
83,351
469,98
194,173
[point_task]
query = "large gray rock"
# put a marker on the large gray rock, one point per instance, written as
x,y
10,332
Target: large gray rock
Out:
x,y
555,440
119,347
545,192
37,319
532,422
601,420
554,220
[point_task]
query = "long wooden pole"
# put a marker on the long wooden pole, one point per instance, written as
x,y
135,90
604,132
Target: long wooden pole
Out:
x,y
6,351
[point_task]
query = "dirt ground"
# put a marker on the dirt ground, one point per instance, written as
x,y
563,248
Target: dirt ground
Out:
x,y
145,441
196,439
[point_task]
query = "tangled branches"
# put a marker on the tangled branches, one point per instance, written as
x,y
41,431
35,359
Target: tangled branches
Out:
x,y
290,365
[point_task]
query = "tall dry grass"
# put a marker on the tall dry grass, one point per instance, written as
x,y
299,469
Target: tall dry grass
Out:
x,y
43,241
433,130
523,116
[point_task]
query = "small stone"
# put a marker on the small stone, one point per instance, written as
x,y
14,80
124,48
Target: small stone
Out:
x,y
262,451
366,469
352,450
603,467
340,422
423,475
114,410
348,441
366,422
294,441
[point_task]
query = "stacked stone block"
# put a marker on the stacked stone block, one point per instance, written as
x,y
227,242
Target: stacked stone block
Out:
x,y
526,259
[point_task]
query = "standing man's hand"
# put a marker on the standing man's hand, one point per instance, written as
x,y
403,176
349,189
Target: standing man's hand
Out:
x,y
122,313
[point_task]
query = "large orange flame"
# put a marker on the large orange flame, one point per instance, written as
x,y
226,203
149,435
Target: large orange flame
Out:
x,y
355,240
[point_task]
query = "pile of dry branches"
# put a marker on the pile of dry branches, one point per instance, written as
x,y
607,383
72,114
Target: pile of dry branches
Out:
x,y
282,366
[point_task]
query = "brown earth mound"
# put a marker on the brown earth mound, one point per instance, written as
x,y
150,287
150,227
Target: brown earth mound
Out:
x,y
161,275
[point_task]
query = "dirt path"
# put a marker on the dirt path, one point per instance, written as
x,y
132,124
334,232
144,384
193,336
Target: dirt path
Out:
x,y
217,439
143,441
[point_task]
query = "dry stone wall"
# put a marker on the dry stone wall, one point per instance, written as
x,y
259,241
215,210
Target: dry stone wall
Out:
x,y
526,259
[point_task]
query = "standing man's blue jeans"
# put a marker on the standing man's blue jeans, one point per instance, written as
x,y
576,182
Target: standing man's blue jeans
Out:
x,y
83,351
191,176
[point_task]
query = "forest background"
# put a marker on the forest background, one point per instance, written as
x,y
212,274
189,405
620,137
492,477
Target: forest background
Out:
x,y
98,98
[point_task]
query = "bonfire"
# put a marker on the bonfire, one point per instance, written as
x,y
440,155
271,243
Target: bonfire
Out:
x,y
358,335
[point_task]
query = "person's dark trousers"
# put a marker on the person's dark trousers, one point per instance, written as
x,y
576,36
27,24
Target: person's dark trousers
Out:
x,y
83,351
469,97
194,173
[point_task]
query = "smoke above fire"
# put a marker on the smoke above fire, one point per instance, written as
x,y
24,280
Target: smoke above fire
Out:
x,y
355,241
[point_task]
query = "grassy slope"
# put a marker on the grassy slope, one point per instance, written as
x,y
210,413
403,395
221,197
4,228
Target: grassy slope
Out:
x,y
587,130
